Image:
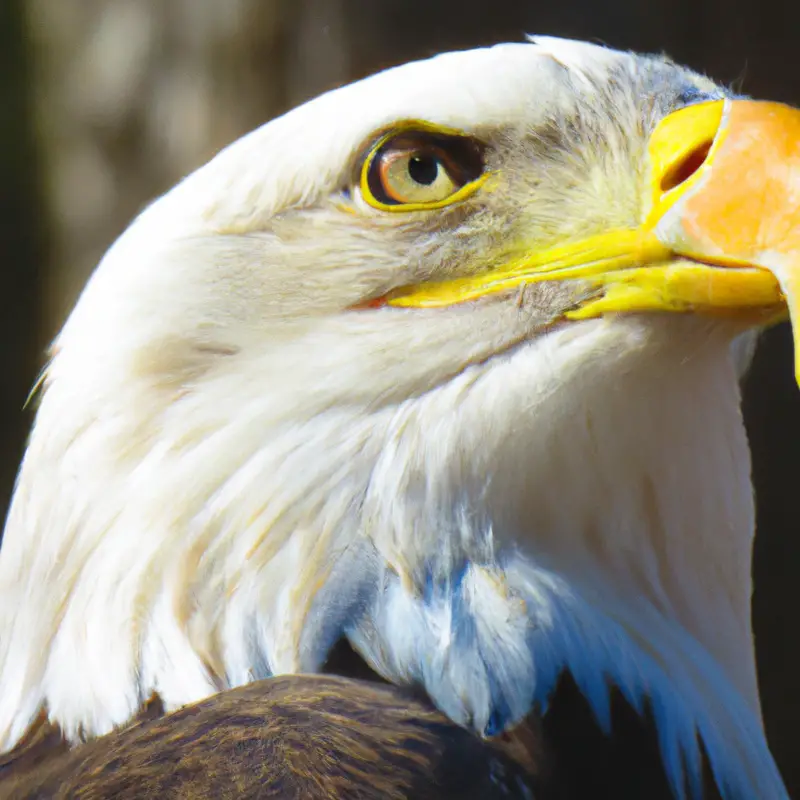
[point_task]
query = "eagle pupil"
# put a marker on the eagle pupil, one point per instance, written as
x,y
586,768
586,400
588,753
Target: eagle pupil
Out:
x,y
423,169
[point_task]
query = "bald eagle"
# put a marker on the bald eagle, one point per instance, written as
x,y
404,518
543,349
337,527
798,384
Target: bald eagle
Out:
x,y
445,363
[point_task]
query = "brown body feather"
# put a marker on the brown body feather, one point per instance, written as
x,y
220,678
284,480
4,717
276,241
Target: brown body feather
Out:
x,y
305,736
290,737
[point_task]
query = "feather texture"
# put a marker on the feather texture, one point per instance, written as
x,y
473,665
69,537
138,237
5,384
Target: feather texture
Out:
x,y
231,468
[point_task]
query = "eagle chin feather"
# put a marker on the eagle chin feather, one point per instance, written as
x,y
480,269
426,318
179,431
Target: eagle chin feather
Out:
x,y
231,468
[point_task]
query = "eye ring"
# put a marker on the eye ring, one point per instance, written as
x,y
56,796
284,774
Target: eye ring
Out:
x,y
416,168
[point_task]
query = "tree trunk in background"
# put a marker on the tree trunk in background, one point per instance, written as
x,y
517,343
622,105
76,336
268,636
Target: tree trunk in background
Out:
x,y
21,243
133,94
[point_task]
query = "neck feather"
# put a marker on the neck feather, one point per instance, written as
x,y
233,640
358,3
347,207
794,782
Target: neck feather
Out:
x,y
604,504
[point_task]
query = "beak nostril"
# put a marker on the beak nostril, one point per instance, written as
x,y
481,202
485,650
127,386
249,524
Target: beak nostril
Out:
x,y
684,168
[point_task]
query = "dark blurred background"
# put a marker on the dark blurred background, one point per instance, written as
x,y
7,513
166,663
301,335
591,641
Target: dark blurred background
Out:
x,y
106,103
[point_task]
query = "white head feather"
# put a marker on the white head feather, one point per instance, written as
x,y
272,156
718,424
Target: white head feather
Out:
x,y
230,469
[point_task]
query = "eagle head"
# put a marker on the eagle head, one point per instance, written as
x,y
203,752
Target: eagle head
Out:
x,y
444,362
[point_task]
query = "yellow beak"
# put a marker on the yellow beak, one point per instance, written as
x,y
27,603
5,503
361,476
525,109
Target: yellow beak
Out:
x,y
722,235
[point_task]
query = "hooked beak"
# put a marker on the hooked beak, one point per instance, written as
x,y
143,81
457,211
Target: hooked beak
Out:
x,y
743,208
722,235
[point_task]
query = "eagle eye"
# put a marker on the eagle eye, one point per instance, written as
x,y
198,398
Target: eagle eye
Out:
x,y
414,170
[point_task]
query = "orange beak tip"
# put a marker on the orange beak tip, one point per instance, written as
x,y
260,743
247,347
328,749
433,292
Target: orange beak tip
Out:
x,y
743,208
